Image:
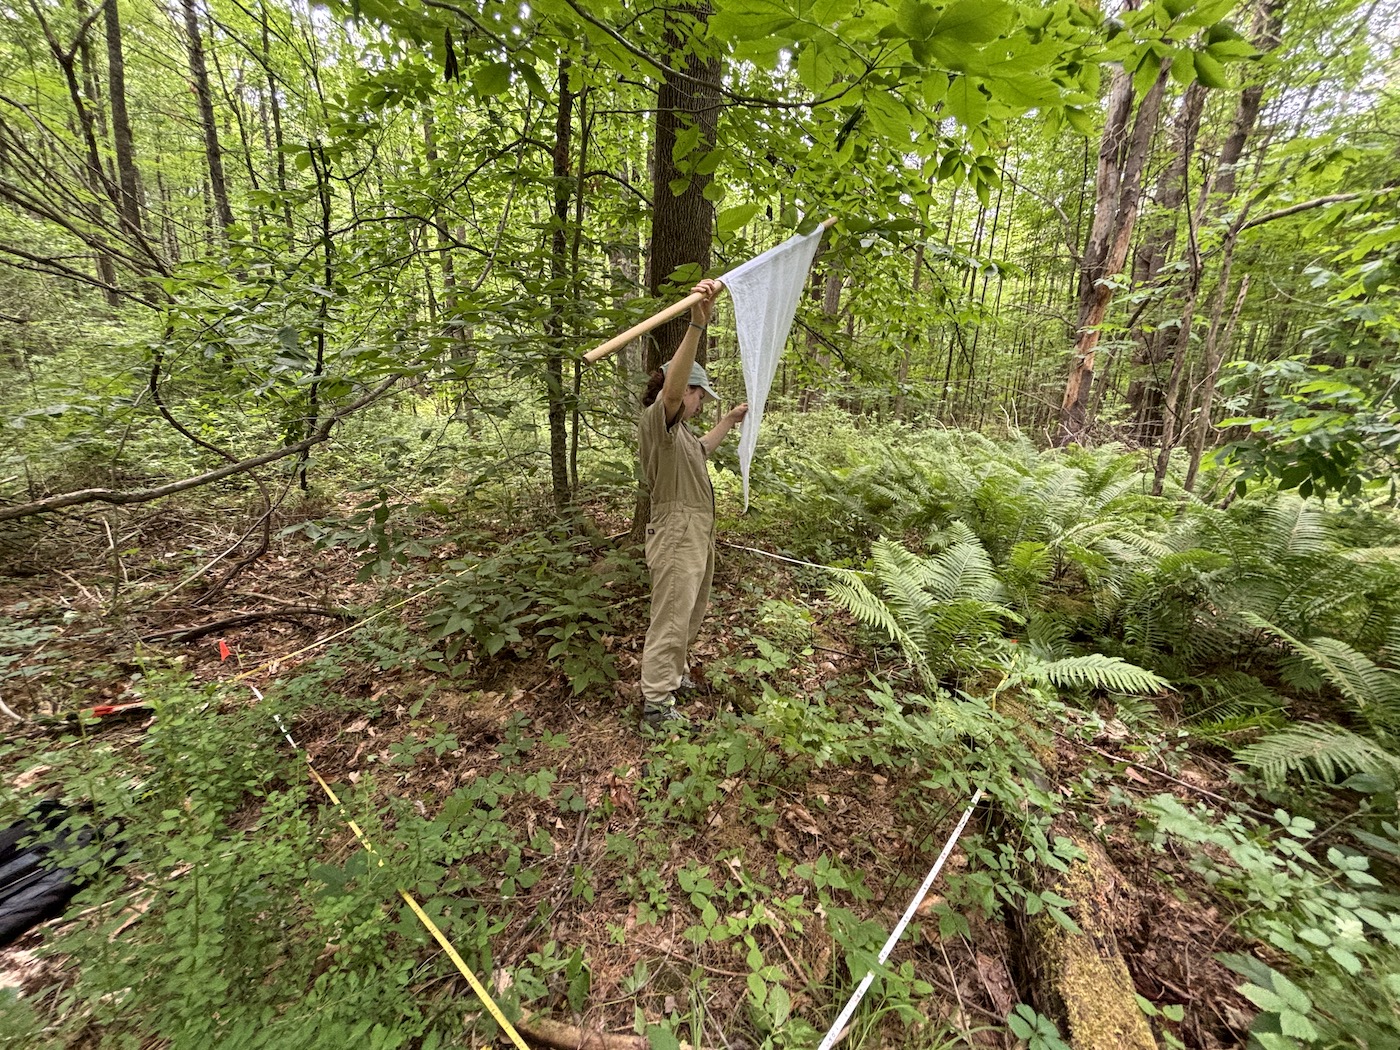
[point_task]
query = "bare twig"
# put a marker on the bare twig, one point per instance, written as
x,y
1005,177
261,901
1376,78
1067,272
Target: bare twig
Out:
x,y
70,499
187,634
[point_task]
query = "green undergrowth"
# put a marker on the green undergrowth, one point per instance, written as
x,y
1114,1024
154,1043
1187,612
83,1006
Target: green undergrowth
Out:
x,y
227,902
997,605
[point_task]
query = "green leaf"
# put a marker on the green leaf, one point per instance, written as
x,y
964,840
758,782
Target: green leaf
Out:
x,y
490,78
916,20
1210,72
1345,959
779,1005
731,219
1294,1024
966,102
662,1038
974,21
1263,998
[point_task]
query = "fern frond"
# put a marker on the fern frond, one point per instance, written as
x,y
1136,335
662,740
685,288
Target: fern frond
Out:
x,y
962,571
1327,751
851,593
1375,691
1298,526
1096,671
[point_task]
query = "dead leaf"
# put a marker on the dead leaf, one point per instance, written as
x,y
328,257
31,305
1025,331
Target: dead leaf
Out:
x,y
1133,775
997,981
801,819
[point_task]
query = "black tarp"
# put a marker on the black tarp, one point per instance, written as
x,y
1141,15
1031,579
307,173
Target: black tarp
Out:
x,y
34,883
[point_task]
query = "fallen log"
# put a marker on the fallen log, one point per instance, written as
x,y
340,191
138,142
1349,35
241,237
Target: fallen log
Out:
x,y
560,1036
1079,980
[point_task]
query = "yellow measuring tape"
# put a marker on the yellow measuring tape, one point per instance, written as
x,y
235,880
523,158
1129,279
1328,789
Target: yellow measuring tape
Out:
x,y
438,935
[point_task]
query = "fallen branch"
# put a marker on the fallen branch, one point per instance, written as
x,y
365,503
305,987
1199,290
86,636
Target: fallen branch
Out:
x,y
561,1036
69,499
293,615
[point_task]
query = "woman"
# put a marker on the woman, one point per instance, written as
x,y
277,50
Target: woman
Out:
x,y
680,544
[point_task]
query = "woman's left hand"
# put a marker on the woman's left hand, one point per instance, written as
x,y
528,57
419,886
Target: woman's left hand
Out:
x,y
737,413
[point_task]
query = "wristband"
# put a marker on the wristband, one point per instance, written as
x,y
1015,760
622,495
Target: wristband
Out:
x,y
699,326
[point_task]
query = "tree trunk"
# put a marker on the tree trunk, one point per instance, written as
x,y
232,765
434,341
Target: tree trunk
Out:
x,y
1214,201
911,339
1117,192
1216,344
1144,389
1268,31
559,247
681,222
830,287
124,145
276,108
213,156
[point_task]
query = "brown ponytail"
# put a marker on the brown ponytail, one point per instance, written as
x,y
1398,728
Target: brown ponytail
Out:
x,y
655,381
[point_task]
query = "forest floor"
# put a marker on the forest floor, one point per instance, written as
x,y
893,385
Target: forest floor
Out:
x,y
102,637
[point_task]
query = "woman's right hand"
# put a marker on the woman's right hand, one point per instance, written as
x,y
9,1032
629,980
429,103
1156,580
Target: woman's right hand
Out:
x,y
700,311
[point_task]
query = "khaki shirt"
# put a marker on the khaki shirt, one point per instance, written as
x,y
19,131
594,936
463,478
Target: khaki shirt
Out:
x,y
673,462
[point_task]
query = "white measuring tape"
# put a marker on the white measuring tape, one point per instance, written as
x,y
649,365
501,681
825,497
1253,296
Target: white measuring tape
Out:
x,y
845,1015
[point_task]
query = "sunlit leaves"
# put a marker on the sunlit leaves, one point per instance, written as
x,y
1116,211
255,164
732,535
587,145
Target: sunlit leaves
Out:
x,y
490,78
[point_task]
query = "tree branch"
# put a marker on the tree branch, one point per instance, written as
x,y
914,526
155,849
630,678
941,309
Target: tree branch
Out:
x,y
1319,202
70,499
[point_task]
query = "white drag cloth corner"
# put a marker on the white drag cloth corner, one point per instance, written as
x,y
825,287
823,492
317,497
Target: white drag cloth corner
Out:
x,y
765,291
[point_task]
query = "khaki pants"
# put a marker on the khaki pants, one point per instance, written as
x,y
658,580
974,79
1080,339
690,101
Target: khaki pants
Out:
x,y
680,553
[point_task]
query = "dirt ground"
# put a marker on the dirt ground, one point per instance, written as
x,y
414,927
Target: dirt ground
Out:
x,y
1168,929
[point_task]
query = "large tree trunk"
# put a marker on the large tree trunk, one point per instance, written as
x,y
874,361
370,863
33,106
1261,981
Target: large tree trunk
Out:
x,y
681,223
1118,189
213,155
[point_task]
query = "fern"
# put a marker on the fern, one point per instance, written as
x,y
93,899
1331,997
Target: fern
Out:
x,y
1373,690
1096,671
1319,748
939,610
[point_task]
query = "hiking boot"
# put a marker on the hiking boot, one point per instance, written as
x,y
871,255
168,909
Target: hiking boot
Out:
x,y
687,685
665,720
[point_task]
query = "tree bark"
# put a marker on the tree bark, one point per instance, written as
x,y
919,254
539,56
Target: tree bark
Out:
x,y
1079,980
1144,390
1214,201
213,155
554,328
1118,187
1216,344
130,204
830,288
682,220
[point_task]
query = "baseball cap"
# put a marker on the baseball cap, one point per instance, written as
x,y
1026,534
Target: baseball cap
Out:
x,y
698,377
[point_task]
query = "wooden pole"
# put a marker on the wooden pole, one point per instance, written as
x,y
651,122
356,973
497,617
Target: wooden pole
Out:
x,y
617,342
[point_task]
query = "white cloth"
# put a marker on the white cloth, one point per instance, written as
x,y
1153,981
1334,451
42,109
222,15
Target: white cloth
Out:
x,y
765,291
